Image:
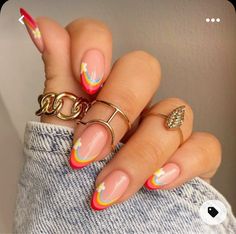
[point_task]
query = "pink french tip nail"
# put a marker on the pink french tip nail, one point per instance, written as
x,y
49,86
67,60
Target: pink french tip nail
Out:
x,y
110,190
32,29
92,71
89,145
163,176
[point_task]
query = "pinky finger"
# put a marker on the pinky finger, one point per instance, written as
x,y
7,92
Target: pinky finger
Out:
x,y
199,156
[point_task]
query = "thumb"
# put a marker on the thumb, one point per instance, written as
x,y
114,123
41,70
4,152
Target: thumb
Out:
x,y
53,41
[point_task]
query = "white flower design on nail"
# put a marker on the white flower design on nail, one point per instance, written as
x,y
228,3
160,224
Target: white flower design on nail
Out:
x,y
36,33
78,144
101,187
159,173
83,67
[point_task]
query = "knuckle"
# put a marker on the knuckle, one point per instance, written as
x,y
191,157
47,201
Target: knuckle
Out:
x,y
199,158
52,72
127,100
140,58
209,147
211,142
148,153
213,147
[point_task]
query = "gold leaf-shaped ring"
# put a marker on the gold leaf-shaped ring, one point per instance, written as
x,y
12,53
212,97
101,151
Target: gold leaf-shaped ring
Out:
x,y
173,121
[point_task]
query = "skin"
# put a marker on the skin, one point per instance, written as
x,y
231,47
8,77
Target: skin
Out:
x,y
133,79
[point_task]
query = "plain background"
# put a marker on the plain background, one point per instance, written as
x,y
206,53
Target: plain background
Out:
x,y
198,62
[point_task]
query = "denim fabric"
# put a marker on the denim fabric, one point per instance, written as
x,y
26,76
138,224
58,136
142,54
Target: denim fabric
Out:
x,y
53,198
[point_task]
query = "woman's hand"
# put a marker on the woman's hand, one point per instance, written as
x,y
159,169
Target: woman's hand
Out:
x,y
152,155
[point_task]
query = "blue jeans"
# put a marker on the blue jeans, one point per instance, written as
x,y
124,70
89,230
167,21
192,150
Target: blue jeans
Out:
x,y
53,198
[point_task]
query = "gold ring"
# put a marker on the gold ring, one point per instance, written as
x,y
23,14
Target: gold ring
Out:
x,y
52,104
106,123
173,121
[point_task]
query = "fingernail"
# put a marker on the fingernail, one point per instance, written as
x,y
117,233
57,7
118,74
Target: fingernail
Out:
x,y
163,176
110,190
88,146
32,29
92,71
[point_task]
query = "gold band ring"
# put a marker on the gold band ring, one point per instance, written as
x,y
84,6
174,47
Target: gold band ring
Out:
x,y
52,104
106,123
173,121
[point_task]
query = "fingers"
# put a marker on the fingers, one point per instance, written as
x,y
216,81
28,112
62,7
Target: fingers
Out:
x,y
91,52
131,84
148,149
200,156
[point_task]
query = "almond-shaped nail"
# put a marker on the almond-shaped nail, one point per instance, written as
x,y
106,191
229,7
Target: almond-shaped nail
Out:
x,y
110,190
88,146
32,29
92,71
163,176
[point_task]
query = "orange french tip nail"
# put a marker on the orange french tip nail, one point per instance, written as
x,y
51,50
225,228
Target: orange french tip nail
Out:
x,y
95,204
94,207
74,163
149,186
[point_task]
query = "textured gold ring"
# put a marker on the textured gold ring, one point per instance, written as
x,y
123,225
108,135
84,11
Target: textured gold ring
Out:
x,y
106,123
52,104
173,121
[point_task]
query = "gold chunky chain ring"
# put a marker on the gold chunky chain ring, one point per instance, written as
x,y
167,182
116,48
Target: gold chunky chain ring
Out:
x,y
52,104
